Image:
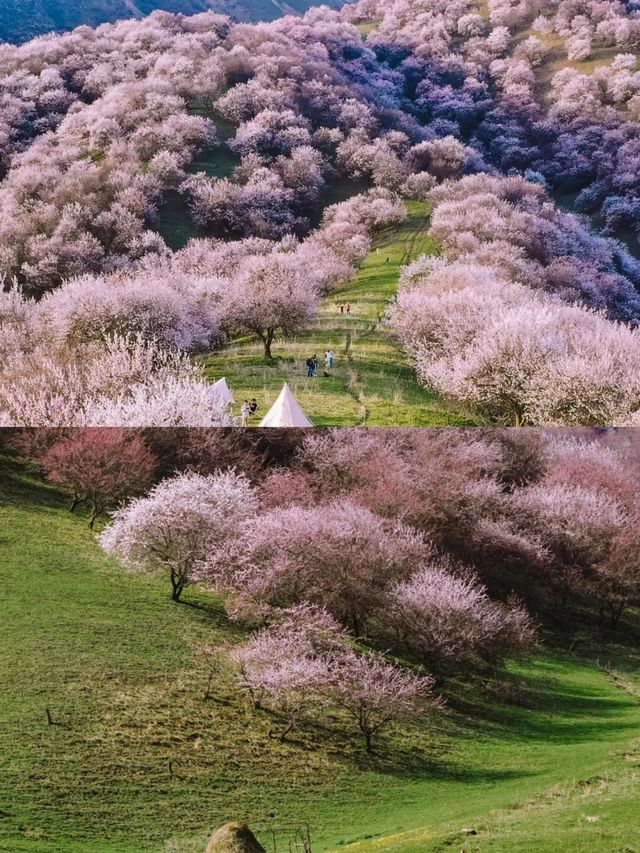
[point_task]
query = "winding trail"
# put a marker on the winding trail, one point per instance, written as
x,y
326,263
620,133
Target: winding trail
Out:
x,y
372,383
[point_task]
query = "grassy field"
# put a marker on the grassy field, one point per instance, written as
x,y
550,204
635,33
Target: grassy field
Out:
x,y
556,58
138,761
174,223
367,28
372,383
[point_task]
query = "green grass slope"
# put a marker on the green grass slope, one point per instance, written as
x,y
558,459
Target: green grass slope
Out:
x,y
372,383
173,220
138,761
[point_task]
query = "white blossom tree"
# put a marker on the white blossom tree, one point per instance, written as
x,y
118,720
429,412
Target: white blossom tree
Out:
x,y
173,528
272,295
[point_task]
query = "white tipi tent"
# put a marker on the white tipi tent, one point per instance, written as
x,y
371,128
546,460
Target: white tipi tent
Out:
x,y
285,412
221,393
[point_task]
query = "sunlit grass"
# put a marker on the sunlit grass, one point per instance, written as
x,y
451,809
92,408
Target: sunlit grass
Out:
x,y
137,761
556,59
367,28
372,383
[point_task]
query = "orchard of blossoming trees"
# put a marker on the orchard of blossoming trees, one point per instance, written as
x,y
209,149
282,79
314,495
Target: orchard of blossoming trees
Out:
x,y
111,350
366,568
501,323
438,102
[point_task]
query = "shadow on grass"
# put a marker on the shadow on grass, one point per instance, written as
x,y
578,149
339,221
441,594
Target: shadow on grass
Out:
x,y
548,709
404,764
400,757
19,487
209,611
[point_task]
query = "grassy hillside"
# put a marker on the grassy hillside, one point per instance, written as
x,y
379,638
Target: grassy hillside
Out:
x,y
372,383
174,223
137,761
556,59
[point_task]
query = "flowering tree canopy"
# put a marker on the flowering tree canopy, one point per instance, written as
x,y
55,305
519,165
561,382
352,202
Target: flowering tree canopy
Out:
x,y
100,466
174,527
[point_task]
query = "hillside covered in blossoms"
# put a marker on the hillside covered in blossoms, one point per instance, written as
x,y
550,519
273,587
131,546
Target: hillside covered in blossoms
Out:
x,y
171,183
21,20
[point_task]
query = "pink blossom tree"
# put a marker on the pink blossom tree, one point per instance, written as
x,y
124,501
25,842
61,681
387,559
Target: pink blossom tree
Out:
x,y
577,525
100,466
119,382
377,694
580,462
272,295
302,662
617,578
514,354
159,304
281,672
173,528
339,556
449,622
285,665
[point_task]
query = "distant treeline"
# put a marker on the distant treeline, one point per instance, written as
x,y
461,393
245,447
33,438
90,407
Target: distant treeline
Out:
x,y
21,20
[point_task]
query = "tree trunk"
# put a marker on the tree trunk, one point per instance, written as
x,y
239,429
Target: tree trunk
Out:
x,y
355,622
95,512
616,613
284,734
367,741
74,503
179,581
177,586
564,598
207,692
267,340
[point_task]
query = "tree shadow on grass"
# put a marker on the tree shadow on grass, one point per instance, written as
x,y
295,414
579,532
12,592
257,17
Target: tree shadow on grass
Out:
x,y
19,486
408,758
210,611
405,761
558,710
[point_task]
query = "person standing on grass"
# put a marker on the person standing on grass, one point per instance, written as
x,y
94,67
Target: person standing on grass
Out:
x,y
312,366
245,412
253,405
348,309
331,359
342,309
